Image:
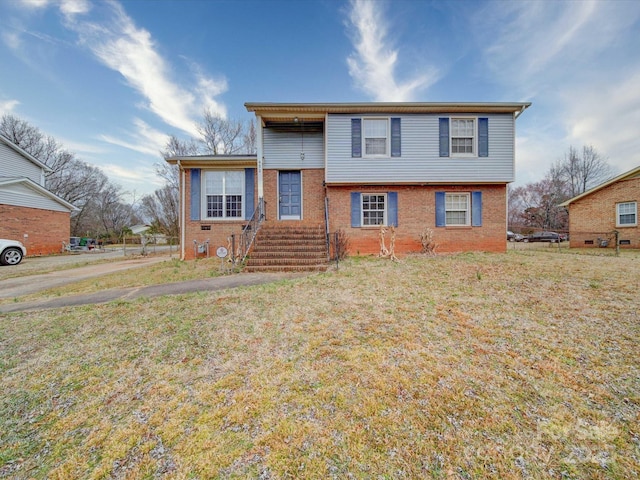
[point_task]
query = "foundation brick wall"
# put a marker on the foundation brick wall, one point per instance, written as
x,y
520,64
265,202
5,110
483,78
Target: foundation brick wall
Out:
x,y
594,216
45,229
416,211
219,230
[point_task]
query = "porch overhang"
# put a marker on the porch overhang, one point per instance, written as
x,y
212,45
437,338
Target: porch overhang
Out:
x,y
214,161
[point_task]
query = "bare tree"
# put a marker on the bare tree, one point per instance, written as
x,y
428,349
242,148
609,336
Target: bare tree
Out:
x,y
250,139
221,136
583,170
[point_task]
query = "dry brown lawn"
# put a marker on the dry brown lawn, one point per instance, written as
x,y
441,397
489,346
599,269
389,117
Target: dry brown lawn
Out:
x,y
522,365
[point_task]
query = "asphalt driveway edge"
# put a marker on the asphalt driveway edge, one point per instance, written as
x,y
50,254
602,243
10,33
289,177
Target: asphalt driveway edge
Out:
x,y
177,288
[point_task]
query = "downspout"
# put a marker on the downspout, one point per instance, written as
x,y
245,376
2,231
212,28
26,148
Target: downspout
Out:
x,y
183,235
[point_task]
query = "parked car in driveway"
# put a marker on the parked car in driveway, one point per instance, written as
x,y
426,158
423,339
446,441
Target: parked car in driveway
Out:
x,y
11,252
552,237
514,237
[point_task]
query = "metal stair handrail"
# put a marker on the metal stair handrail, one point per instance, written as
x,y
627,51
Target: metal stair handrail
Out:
x,y
250,230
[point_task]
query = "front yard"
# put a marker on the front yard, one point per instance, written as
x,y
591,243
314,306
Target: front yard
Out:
x,y
522,365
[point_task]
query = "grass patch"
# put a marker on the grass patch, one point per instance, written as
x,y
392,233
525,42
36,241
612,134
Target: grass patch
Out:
x,y
466,366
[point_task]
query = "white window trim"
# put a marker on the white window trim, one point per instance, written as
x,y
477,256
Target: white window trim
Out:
x,y
468,210
385,214
475,137
622,225
387,153
203,200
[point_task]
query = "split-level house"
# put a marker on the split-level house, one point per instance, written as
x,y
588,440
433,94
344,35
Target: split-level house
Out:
x,y
30,213
357,167
597,214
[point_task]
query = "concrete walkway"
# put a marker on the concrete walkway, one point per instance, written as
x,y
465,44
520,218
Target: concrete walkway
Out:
x,y
16,287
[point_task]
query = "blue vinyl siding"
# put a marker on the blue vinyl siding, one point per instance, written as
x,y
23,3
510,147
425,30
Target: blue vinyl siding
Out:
x,y
281,150
195,194
421,160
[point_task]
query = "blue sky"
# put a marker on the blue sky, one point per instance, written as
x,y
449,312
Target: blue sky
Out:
x,y
110,80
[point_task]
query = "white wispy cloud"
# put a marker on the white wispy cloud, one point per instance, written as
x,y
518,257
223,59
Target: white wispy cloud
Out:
x,y
144,139
577,62
373,64
119,44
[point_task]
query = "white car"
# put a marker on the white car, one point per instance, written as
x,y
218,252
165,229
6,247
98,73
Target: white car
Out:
x,y
11,252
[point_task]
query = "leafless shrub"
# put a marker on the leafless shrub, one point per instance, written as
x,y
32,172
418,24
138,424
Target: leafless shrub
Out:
x,y
428,244
341,244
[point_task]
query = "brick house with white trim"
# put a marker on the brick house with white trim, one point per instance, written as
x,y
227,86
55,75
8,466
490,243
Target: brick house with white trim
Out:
x,y
30,213
610,207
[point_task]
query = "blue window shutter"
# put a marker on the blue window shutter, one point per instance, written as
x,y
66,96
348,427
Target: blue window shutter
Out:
x,y
195,194
356,137
395,137
355,209
483,137
476,209
392,208
440,210
444,137
249,186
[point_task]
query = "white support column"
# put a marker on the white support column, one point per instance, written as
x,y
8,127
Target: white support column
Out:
x,y
259,153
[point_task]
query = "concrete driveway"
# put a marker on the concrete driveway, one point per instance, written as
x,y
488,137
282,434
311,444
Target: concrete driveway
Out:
x,y
28,284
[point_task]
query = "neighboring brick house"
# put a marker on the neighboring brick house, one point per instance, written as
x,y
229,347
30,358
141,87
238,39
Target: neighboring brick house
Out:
x,y
30,213
357,166
610,207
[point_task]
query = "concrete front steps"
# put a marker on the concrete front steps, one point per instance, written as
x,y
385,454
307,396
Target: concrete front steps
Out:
x,y
283,248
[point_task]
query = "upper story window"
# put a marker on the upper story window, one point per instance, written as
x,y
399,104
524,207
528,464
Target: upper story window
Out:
x,y
464,137
375,137
223,194
626,214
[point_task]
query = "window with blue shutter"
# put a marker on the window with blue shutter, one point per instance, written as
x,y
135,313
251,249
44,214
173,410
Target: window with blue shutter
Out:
x,y
476,209
356,137
483,137
355,209
395,137
249,186
195,194
440,209
444,137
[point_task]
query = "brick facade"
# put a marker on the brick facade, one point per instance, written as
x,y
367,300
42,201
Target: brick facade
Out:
x,y
416,211
41,231
594,216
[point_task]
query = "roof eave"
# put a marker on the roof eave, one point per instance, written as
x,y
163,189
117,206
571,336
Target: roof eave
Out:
x,y
630,173
267,108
